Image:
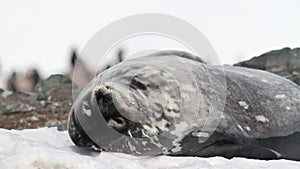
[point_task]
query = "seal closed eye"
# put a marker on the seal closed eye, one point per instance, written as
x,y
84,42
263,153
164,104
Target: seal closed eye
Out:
x,y
137,85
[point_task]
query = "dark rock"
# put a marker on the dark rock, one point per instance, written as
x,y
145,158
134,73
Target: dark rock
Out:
x,y
284,62
54,82
63,126
55,88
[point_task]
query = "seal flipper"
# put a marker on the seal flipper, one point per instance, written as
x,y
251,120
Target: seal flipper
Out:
x,y
235,150
179,54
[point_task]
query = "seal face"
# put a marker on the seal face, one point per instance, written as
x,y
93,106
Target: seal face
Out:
x,y
173,103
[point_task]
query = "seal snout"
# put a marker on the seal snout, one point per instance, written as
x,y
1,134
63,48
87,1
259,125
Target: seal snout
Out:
x,y
102,90
106,103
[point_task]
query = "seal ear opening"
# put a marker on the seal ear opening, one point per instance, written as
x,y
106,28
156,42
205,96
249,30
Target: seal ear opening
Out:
x,y
78,135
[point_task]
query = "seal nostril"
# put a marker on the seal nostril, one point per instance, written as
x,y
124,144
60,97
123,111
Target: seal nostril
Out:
x,y
103,89
107,87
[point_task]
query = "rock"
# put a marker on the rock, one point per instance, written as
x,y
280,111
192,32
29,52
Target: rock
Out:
x,y
47,106
4,93
19,102
284,62
54,82
63,126
51,123
57,91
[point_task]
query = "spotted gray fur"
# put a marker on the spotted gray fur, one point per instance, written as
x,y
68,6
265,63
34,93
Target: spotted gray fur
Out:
x,y
173,103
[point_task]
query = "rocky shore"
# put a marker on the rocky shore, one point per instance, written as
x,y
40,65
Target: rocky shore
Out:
x,y
47,106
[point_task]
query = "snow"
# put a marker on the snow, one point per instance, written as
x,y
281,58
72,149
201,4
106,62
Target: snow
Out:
x,y
47,148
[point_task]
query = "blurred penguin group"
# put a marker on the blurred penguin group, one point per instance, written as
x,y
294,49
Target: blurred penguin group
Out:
x,y
19,82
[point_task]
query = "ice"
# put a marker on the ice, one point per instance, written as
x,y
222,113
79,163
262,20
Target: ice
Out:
x,y
47,148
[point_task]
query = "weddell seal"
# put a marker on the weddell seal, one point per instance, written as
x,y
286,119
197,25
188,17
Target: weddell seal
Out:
x,y
173,103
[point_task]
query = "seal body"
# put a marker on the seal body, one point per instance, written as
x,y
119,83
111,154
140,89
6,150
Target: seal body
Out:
x,y
172,103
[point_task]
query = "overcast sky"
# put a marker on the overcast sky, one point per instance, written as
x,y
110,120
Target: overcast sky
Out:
x,y
41,33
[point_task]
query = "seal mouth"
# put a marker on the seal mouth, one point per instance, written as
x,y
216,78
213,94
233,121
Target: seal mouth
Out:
x,y
112,105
